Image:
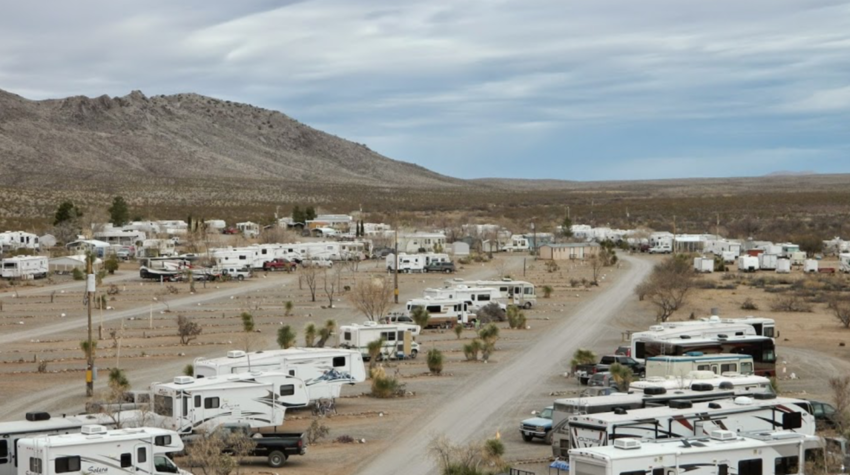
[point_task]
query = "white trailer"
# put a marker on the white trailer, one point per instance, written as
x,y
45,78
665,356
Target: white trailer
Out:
x,y
729,257
703,265
445,313
519,293
844,262
691,330
706,381
681,366
783,266
475,297
798,258
24,267
722,452
688,419
810,266
768,261
39,424
748,263
258,399
323,370
96,450
398,339
407,263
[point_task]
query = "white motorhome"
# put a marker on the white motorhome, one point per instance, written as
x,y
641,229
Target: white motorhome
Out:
x,y
24,267
398,339
691,330
444,312
706,381
475,297
519,293
721,452
762,326
323,370
748,263
664,366
39,424
407,263
258,399
688,419
96,450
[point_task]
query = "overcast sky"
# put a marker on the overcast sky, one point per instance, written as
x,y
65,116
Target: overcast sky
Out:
x,y
579,90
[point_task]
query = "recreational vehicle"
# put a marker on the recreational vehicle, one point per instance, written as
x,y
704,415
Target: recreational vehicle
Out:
x,y
323,370
762,349
748,263
844,262
258,399
664,366
689,419
407,263
39,424
475,297
707,380
24,267
721,452
762,326
444,313
518,292
690,330
703,265
96,450
398,339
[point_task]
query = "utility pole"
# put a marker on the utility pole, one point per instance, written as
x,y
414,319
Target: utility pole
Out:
x,y
395,292
90,289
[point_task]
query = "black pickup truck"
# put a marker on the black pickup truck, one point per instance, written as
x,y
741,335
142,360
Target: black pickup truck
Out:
x,y
276,446
585,371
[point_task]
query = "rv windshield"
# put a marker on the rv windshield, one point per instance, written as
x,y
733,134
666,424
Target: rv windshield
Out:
x,y
163,405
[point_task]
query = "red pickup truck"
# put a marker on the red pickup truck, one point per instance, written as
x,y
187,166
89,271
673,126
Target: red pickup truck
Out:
x,y
278,265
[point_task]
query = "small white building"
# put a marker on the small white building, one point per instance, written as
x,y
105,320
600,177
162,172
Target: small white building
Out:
x,y
65,264
12,240
120,236
99,248
412,243
460,249
248,229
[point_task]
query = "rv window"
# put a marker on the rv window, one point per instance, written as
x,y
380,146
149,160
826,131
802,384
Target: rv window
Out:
x,y
786,465
583,468
723,469
65,464
338,361
197,402
746,368
185,406
725,368
211,403
749,466
287,390
528,291
162,440
4,452
768,332
35,465
292,372
141,455
703,367
163,405
346,336
483,297
126,460
657,471
434,309
634,472
792,420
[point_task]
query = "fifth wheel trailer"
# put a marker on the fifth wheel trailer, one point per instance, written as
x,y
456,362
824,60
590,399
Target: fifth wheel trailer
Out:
x,y
24,267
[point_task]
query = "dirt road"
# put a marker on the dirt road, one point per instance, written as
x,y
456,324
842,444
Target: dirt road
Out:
x,y
461,414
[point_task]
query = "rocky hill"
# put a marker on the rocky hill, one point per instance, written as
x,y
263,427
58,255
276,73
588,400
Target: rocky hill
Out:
x,y
125,140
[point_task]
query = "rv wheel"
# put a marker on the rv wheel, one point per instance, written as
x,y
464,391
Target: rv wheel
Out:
x,y
413,354
277,459
240,278
527,305
448,271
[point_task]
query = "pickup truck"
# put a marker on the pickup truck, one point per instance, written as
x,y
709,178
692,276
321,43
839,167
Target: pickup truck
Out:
x,y
585,371
275,446
538,426
279,265
446,267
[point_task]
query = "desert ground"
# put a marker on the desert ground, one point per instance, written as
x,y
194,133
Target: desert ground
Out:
x,y
469,401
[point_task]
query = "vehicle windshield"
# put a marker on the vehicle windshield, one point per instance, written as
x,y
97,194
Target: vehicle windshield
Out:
x,y
546,413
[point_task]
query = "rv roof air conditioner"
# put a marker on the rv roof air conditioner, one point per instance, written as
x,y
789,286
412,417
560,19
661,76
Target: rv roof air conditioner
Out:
x,y
722,435
654,390
743,401
656,328
235,354
627,444
714,318
93,429
183,379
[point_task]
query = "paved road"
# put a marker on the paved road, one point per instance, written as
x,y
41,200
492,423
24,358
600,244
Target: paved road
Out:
x,y
462,413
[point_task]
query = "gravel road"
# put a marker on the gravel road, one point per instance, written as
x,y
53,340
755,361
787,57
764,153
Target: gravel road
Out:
x,y
461,414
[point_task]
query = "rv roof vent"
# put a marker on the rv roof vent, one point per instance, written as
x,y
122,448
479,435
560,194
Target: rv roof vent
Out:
x,y
235,354
722,336
743,401
714,318
763,396
686,337
620,410
654,390
183,379
726,385
694,353
93,429
38,416
627,444
702,387
680,404
714,405
656,328
506,279
722,435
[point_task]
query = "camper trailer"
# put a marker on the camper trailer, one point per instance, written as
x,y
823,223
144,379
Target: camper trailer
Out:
x,y
398,339
721,452
810,266
445,313
40,424
768,261
748,263
707,380
844,262
323,370
689,419
783,266
258,399
475,297
407,263
664,366
703,265
519,293
97,450
24,267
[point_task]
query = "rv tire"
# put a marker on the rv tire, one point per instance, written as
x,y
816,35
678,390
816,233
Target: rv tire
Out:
x,y
448,271
527,305
413,354
240,278
277,459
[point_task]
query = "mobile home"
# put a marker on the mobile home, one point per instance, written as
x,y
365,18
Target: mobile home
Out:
x,y
96,450
664,366
398,339
444,312
258,399
323,370
24,267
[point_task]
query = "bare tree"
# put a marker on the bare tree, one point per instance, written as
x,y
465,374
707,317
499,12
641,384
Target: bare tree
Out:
x,y
330,287
310,274
187,330
841,310
840,387
667,287
371,297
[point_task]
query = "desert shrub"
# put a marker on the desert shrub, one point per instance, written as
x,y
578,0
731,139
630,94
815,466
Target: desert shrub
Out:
x,y
582,356
420,315
288,306
189,370
488,335
317,431
574,283
385,386
516,317
78,274
345,439
110,264
435,361
42,366
552,266
494,447
472,349
749,305
705,284
286,337
458,329
789,303
490,313
547,291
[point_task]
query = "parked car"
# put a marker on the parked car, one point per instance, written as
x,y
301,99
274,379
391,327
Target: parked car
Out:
x,y
317,263
825,414
277,447
602,379
606,361
661,249
238,273
623,351
445,267
537,427
275,265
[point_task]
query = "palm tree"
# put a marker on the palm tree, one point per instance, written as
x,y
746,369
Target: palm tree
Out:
x,y
582,356
622,375
374,348
286,337
326,332
310,335
420,315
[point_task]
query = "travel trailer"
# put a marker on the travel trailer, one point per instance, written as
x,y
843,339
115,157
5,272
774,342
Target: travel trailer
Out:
x,y
844,262
707,380
40,424
721,452
407,263
398,339
258,399
761,349
24,267
518,292
703,265
475,297
444,313
96,450
664,366
688,419
748,263
691,330
323,370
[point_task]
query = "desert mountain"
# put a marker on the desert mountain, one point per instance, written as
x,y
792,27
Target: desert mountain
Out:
x,y
182,136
